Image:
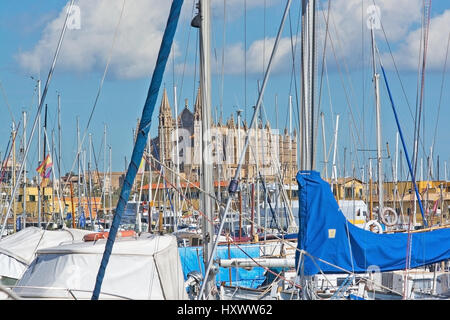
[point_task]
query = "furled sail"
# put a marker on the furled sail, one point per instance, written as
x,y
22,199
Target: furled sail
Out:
x,y
334,245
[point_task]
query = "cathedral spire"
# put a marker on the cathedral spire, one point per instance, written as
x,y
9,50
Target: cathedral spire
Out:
x,y
165,106
198,106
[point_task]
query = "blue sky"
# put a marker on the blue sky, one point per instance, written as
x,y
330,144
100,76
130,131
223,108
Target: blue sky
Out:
x,y
28,30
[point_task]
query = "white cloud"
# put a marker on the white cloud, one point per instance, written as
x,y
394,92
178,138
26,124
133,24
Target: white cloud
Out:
x,y
143,24
88,48
407,55
349,31
137,45
347,27
234,57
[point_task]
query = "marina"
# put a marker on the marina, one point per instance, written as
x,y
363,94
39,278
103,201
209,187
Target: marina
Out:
x,y
234,196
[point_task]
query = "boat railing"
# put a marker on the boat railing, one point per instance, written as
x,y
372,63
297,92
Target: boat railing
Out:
x,y
72,292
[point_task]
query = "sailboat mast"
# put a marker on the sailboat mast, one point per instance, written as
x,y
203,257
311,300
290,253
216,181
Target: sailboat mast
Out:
x,y
79,165
150,186
13,173
177,207
39,155
306,117
24,140
110,181
376,78
59,145
324,146
44,151
104,171
207,168
90,182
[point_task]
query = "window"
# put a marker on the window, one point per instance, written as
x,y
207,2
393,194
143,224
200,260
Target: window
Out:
x,y
349,192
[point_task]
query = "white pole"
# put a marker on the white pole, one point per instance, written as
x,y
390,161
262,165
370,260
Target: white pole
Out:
x,y
24,201
334,172
39,155
177,208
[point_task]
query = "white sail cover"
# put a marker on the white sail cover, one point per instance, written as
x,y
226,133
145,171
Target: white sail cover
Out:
x,y
146,267
18,250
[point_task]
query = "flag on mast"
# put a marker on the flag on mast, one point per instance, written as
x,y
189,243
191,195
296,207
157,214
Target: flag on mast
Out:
x,y
47,163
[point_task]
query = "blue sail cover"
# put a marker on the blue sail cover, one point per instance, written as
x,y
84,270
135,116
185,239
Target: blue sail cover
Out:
x,y
192,260
326,235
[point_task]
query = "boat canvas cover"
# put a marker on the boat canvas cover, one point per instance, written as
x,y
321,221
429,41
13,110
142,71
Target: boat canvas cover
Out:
x,y
147,267
192,260
18,250
335,245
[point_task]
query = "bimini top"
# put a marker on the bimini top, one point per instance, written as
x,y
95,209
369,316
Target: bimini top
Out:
x,y
338,246
141,267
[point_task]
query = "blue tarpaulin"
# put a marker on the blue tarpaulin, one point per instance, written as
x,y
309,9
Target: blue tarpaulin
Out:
x,y
325,234
192,260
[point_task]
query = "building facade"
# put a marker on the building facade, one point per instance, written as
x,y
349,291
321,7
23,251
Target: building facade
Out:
x,y
270,152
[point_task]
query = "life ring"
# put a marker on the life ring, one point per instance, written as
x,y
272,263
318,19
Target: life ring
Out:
x,y
104,235
377,226
386,221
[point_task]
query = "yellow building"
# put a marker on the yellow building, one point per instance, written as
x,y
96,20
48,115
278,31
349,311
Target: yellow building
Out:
x,y
348,188
50,204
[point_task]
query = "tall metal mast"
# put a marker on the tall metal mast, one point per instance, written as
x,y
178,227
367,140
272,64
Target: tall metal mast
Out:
x,y
306,116
376,78
202,20
39,155
24,141
177,162
79,172
59,149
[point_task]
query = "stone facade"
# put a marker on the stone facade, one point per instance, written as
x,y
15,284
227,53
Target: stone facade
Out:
x,y
268,148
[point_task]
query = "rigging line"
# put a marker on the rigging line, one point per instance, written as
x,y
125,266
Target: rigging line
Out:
x,y
292,282
322,72
223,56
101,184
161,174
245,60
403,143
331,111
264,39
186,55
396,68
342,82
293,72
194,91
293,51
99,88
6,102
422,84
415,147
54,176
6,156
442,89
189,183
346,68
363,80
